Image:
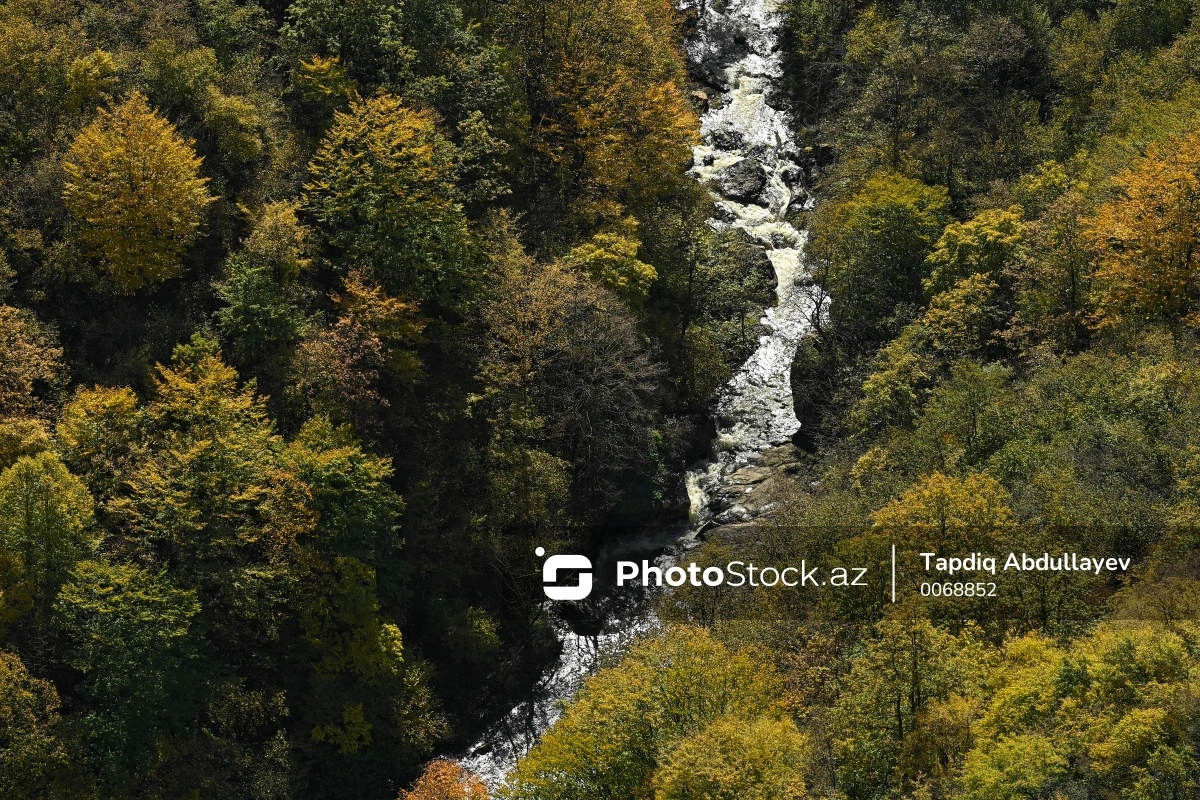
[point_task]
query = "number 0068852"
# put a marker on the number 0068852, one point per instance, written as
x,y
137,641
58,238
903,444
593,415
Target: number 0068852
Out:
x,y
948,589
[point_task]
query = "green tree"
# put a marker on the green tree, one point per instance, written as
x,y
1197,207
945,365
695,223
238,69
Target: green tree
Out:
x,y
45,523
733,759
34,761
382,191
130,637
263,318
134,187
870,251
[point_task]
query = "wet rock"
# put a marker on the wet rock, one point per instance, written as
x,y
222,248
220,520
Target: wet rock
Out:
x,y
727,140
799,202
761,153
743,181
708,159
723,213
791,175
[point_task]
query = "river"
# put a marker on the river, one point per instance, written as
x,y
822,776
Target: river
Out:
x,y
749,158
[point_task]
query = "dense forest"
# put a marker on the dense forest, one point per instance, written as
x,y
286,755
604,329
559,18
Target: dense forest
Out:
x,y
316,318
1007,233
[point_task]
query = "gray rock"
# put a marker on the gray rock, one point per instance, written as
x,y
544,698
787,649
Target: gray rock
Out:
x,y
743,181
727,140
791,175
723,213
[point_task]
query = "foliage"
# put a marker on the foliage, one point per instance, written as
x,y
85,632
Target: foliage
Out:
x,y
446,780
382,189
133,184
35,758
623,725
30,362
1143,240
871,251
732,758
45,516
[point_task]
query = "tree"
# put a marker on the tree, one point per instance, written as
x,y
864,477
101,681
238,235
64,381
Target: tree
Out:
x,y
1014,768
97,433
382,191
733,759
129,633
365,35
34,762
907,666
625,721
349,369
957,325
45,520
446,780
30,363
610,257
609,124
870,250
983,245
263,318
133,185
565,369
1148,266
949,514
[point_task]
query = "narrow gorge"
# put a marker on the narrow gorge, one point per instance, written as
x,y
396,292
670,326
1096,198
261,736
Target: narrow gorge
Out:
x,y
749,160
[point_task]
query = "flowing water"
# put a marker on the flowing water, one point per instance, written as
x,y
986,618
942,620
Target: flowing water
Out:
x,y
749,158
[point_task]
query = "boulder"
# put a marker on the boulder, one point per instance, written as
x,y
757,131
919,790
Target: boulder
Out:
x,y
727,140
723,213
743,181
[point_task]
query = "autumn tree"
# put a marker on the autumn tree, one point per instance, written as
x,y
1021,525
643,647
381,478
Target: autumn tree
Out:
x,y
949,514
983,245
30,363
349,369
610,257
908,666
446,780
1147,265
35,759
366,37
623,724
134,187
604,86
381,189
734,759
45,520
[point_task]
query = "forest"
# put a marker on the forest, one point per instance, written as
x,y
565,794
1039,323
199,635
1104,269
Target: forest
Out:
x,y
317,317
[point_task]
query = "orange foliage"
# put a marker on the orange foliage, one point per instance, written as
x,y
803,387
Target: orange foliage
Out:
x,y
446,780
1146,240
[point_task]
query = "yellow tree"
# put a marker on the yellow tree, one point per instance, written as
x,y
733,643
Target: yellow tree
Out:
x,y
29,357
945,512
134,186
1148,262
604,86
